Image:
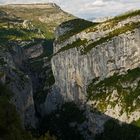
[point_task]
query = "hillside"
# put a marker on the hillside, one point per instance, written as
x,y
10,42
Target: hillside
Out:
x,y
46,17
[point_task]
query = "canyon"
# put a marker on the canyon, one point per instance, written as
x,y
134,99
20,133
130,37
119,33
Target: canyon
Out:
x,y
59,65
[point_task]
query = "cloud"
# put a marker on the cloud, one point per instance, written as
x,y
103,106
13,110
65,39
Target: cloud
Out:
x,y
98,3
88,8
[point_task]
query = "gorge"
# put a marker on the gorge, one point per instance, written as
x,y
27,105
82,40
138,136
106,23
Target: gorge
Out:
x,y
69,77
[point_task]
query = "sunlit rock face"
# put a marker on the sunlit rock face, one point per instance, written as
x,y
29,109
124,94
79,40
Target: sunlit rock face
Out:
x,y
75,72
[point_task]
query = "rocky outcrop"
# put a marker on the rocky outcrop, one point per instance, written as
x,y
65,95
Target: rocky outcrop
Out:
x,y
34,51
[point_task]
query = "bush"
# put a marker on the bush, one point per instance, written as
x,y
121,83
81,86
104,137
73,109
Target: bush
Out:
x,y
59,121
114,131
10,123
47,136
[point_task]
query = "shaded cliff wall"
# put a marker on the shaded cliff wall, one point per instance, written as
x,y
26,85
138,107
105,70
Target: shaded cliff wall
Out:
x,y
19,83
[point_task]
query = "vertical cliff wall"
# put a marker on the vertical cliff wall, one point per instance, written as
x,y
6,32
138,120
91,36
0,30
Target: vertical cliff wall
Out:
x,y
84,62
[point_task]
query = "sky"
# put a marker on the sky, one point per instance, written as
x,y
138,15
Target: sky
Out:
x,y
88,9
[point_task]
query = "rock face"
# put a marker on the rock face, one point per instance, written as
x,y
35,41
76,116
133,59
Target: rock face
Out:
x,y
19,83
111,48
34,51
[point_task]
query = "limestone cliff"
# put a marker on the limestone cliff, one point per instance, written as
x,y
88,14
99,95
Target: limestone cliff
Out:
x,y
98,67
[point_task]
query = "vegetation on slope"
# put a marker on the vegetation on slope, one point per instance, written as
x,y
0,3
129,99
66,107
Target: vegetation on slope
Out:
x,y
87,47
114,131
111,23
45,17
12,31
116,32
74,27
125,16
78,43
97,91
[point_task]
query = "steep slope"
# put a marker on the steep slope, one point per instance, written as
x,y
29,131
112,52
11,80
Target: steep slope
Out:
x,y
98,67
26,36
